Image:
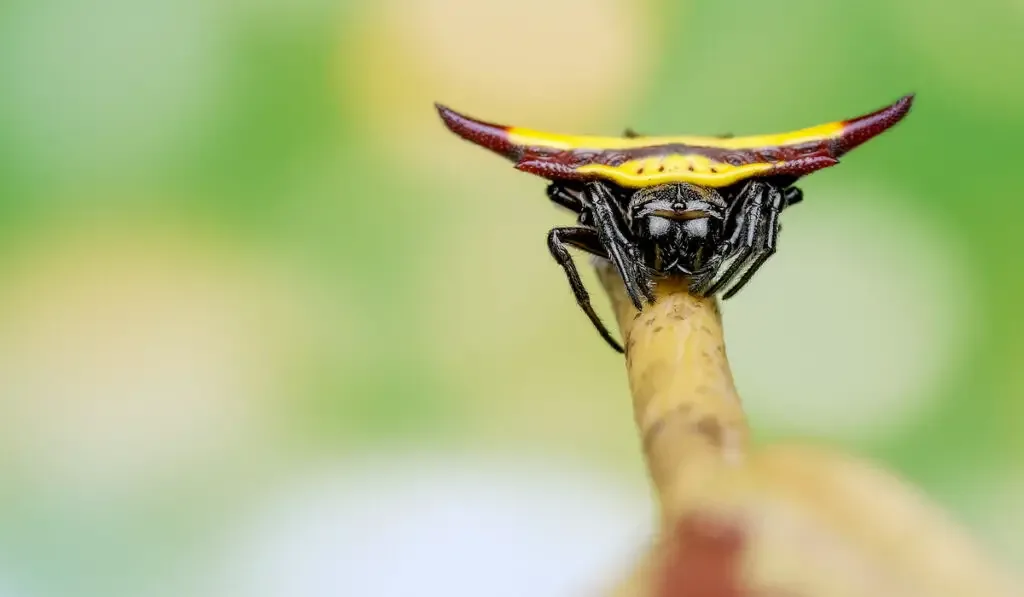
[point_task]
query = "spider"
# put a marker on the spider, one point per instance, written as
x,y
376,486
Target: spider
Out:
x,y
704,208
717,239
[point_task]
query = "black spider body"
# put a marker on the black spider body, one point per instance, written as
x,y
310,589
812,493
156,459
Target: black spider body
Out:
x,y
706,208
716,238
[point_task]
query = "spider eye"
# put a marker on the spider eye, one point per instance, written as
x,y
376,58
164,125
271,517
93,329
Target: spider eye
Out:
x,y
658,226
697,227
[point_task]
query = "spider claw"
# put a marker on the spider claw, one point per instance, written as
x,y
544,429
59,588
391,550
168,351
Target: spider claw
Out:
x,y
699,286
647,285
634,283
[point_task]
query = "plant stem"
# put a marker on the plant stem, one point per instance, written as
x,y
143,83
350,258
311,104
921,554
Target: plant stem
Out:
x,y
686,408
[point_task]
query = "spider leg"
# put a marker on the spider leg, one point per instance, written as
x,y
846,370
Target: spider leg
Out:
x,y
740,244
560,195
587,240
768,241
621,250
736,219
743,253
793,196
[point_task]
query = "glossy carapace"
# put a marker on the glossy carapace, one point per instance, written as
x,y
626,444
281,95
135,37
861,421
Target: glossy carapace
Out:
x,y
638,162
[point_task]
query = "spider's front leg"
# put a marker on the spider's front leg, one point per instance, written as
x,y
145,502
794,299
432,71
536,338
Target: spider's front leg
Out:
x,y
566,197
585,239
792,196
767,238
621,249
746,216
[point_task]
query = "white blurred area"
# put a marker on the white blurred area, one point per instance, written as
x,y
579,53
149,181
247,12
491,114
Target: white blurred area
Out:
x,y
442,524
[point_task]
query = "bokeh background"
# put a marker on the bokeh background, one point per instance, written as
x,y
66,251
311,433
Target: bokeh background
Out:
x,y
267,329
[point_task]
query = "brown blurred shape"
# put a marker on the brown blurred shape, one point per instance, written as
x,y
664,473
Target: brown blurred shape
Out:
x,y
703,560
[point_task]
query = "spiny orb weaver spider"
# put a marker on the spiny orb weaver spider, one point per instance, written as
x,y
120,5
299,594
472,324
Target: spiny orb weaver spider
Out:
x,y
706,208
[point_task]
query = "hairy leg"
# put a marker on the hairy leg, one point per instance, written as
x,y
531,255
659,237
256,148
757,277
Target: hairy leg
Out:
x,y
621,250
766,243
740,243
587,240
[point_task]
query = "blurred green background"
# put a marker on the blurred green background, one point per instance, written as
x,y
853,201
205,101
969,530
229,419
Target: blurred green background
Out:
x,y
251,289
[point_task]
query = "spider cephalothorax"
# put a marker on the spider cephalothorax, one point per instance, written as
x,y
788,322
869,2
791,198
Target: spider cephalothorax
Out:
x,y
677,226
706,208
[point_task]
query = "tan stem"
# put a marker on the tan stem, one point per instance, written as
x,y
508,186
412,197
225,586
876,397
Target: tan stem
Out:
x,y
816,522
685,405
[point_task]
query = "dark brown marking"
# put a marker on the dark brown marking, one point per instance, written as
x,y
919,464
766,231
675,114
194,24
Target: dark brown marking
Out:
x,y
704,390
657,329
711,429
661,168
651,433
485,134
681,311
639,170
858,130
646,385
